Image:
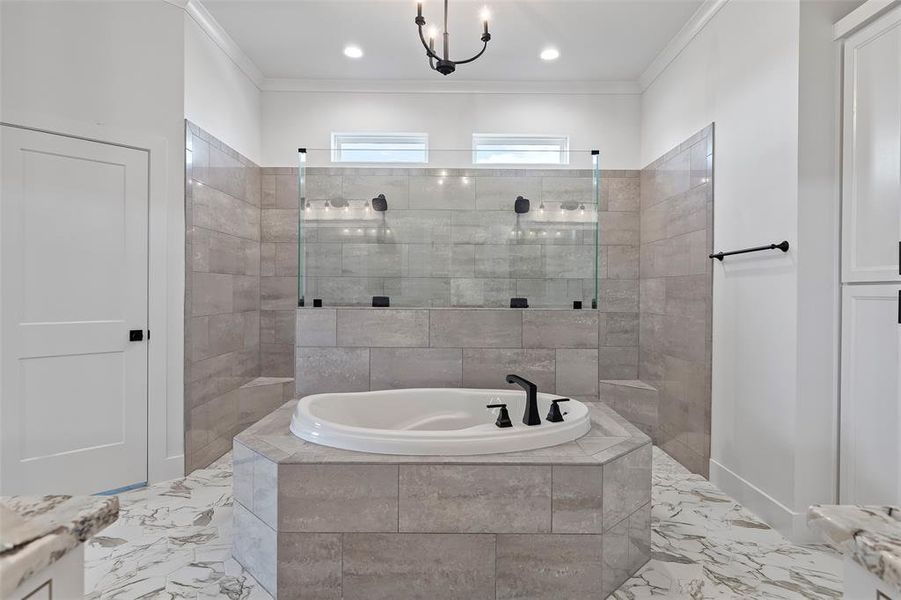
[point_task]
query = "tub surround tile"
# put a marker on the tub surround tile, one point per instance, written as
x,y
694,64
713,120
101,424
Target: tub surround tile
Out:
x,y
309,566
578,499
330,498
418,566
625,485
615,557
640,537
475,499
549,566
255,546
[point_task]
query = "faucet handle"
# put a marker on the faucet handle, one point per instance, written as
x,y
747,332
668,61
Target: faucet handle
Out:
x,y
503,417
554,415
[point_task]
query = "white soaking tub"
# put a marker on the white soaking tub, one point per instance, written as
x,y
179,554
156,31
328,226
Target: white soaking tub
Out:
x,y
433,421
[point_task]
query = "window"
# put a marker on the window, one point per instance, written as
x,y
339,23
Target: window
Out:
x,y
380,147
498,149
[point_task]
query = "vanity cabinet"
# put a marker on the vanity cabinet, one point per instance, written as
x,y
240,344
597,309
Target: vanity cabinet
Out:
x,y
870,421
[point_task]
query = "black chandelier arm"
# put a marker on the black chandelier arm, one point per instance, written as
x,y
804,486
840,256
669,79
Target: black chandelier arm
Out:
x,y
469,60
428,50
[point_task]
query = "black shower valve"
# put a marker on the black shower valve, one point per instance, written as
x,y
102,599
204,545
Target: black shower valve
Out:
x,y
554,415
503,417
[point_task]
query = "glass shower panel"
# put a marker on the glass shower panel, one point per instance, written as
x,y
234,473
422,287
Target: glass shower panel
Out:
x,y
448,233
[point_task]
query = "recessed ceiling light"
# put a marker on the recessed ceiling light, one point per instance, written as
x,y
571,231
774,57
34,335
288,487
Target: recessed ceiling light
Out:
x,y
353,51
550,54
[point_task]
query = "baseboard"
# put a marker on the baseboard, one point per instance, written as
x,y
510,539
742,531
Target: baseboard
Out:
x,y
790,523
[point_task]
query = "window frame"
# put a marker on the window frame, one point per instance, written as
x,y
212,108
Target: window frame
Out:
x,y
338,138
501,139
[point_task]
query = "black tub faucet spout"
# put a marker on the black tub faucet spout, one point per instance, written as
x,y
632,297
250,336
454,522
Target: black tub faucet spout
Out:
x,y
530,415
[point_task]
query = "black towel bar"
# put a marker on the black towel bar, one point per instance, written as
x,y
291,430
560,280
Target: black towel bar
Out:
x,y
783,245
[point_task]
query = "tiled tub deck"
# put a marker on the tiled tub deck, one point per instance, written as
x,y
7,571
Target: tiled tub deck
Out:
x,y
571,521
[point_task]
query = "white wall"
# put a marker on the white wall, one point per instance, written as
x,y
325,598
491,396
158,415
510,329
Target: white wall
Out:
x,y
113,71
609,123
219,97
773,414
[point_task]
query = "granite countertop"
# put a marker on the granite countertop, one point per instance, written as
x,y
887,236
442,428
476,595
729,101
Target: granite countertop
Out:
x,y
36,531
869,535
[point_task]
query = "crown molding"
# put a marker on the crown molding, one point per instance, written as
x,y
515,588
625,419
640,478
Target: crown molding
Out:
x,y
453,86
220,37
860,16
675,46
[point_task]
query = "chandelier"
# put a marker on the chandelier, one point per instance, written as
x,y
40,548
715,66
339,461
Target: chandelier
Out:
x,y
442,63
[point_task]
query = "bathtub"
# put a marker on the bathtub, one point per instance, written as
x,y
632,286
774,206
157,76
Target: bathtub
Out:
x,y
432,421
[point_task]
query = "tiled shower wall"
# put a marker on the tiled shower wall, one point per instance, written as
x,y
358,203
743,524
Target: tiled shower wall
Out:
x,y
449,247
676,296
362,349
222,292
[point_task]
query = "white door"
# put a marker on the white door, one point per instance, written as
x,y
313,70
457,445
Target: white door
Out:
x,y
871,395
73,283
871,196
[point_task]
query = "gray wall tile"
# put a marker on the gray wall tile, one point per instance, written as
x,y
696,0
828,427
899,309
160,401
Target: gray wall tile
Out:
x,y
560,329
445,193
487,367
365,187
482,293
577,372
390,327
393,368
331,370
475,328
618,362
621,329
316,327
499,193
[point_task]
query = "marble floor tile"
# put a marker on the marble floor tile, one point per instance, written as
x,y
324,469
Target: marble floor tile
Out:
x,y
173,541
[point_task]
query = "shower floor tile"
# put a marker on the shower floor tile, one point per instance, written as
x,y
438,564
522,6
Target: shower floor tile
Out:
x,y
173,540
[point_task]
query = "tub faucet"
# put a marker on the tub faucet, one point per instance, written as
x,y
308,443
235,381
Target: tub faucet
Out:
x,y
530,416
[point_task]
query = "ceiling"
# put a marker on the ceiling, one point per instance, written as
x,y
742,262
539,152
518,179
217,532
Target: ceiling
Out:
x,y
598,40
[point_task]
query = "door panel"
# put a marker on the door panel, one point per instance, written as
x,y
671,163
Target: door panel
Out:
x,y
871,402
871,197
74,218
